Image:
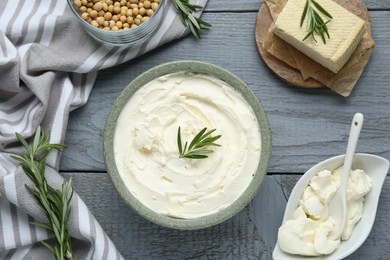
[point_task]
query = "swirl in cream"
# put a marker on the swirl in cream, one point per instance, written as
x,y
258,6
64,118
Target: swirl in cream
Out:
x,y
146,152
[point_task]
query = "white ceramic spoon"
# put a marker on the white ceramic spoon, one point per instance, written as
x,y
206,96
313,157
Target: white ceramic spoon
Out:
x,y
338,205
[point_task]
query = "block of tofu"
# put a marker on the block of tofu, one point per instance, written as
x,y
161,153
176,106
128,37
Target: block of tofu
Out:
x,y
345,31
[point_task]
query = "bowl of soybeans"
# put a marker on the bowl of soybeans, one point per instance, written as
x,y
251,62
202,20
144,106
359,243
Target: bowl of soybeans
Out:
x,y
119,22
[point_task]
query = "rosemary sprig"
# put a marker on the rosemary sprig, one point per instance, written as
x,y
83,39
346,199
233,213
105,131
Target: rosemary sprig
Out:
x,y
185,8
315,24
55,202
196,148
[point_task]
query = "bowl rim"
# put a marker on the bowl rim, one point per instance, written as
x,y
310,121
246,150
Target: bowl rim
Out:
x,y
194,67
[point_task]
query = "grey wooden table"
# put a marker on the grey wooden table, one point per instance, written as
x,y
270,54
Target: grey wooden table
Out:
x,y
307,126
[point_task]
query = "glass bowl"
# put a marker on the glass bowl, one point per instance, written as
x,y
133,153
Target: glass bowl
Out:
x,y
133,36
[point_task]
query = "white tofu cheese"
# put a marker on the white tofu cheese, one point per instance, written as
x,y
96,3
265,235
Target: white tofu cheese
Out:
x,y
345,31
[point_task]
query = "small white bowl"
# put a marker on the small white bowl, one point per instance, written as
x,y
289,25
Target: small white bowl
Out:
x,y
376,167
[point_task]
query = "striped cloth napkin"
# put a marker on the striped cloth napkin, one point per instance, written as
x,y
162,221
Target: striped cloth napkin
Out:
x,y
48,66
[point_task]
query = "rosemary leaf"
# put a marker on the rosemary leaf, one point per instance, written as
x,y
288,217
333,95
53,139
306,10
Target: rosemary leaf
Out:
x,y
206,24
42,225
179,141
194,30
197,138
48,246
326,28
323,38
304,13
195,156
193,21
321,9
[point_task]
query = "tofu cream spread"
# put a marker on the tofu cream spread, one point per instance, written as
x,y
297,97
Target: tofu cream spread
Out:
x,y
307,233
146,150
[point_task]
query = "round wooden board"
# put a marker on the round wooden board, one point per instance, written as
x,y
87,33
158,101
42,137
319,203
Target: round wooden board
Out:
x,y
281,69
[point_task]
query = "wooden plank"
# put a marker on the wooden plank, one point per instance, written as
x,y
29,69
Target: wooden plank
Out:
x,y
251,234
254,5
307,125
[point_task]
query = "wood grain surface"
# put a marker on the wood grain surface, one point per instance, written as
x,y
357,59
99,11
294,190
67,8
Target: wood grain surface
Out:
x,y
254,5
307,126
251,234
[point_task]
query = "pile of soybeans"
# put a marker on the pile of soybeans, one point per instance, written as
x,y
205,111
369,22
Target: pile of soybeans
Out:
x,y
116,15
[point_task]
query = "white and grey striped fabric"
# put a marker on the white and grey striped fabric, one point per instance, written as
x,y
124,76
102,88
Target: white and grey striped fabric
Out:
x,y
48,66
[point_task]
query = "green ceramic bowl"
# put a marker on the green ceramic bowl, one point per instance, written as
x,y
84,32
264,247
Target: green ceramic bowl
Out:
x,y
196,67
